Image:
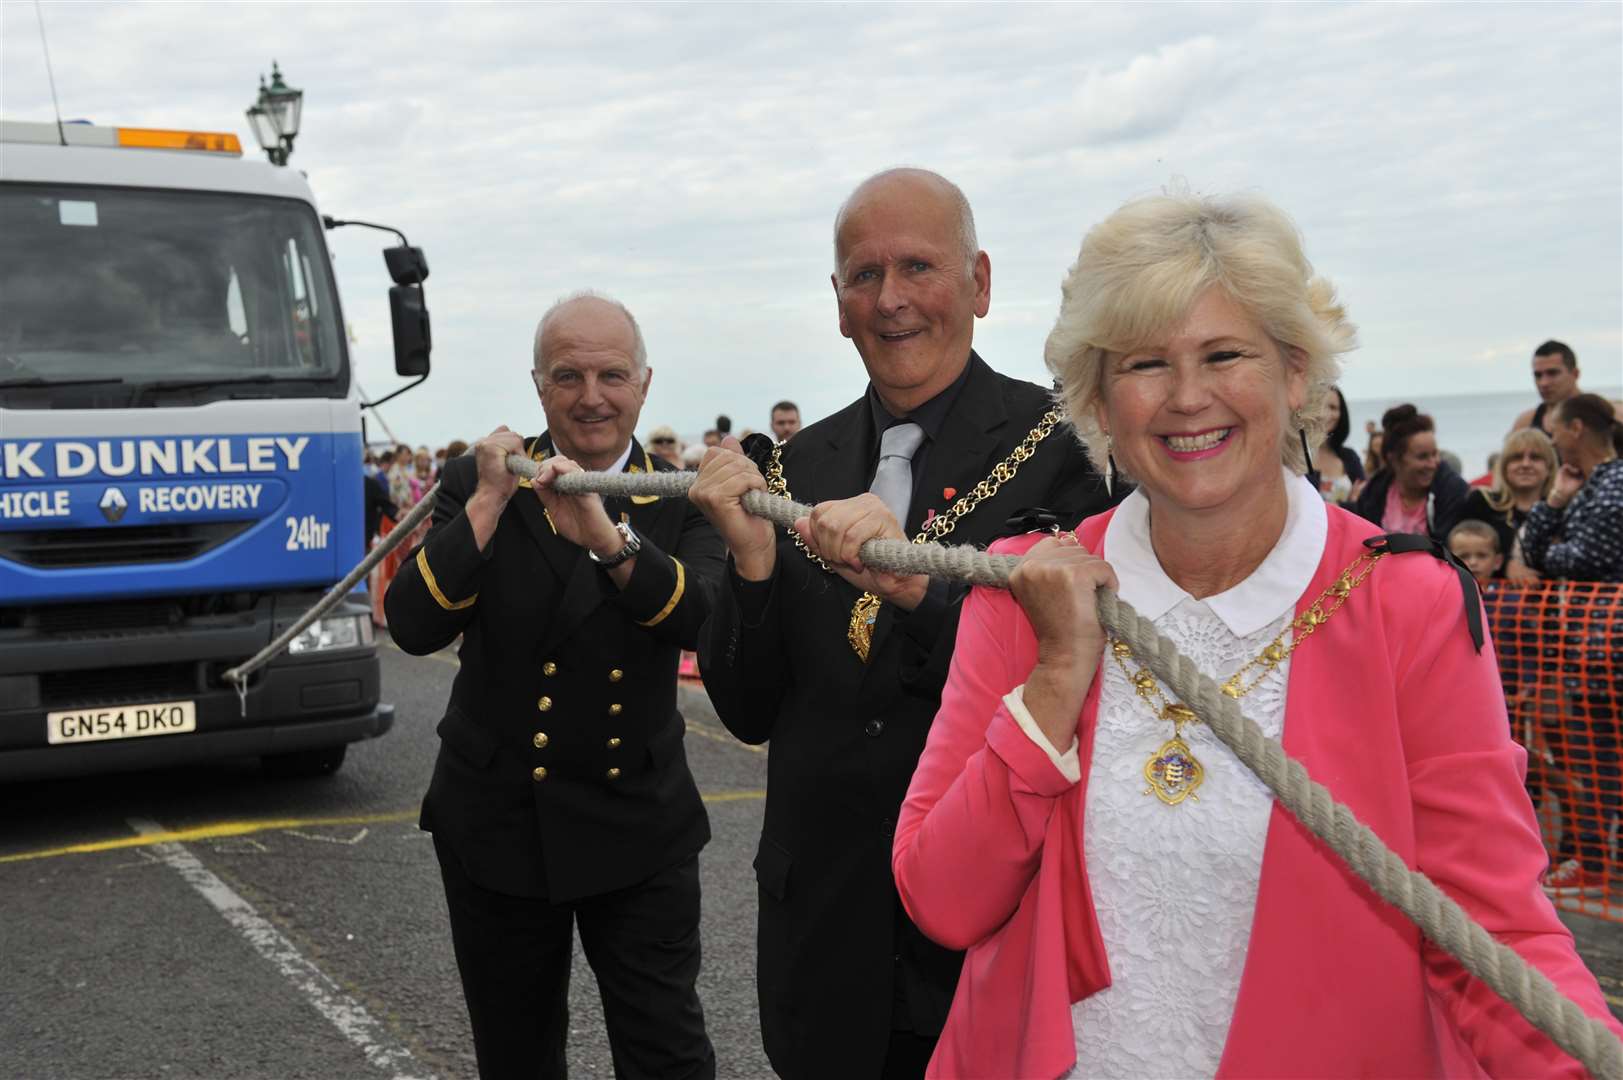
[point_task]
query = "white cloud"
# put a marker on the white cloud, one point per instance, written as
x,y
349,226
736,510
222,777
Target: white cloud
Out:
x,y
1150,95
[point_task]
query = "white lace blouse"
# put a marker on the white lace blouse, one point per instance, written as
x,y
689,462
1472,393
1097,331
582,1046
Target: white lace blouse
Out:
x,y
1175,887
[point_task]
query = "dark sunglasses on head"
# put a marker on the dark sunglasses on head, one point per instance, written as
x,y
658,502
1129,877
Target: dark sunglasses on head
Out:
x,y
662,439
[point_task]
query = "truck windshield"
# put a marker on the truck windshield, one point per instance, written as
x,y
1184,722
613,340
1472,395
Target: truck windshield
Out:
x,y
150,289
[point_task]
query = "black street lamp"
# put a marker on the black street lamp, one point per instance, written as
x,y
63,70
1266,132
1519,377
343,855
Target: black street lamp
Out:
x,y
275,116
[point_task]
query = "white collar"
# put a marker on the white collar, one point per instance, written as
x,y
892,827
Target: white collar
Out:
x,y
620,466
1270,590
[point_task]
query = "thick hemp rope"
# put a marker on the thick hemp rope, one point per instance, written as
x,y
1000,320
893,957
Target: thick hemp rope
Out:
x,y
1438,916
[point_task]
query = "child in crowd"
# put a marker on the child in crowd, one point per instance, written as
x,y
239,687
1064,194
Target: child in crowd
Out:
x,y
1475,544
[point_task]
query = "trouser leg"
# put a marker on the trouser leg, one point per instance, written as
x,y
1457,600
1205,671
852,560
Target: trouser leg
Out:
x,y
513,954
643,945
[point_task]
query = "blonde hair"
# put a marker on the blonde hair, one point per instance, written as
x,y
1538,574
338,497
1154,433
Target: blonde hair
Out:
x,y
1143,267
1499,496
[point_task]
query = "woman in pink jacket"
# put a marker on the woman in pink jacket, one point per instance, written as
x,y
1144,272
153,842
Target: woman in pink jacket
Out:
x,y
1132,901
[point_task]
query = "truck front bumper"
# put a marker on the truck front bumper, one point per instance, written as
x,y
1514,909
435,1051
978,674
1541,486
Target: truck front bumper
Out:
x,y
116,755
294,703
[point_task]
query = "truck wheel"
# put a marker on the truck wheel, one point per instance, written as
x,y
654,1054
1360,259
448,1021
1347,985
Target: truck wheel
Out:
x,y
304,763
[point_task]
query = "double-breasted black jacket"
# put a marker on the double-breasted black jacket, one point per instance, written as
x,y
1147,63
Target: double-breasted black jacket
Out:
x,y
846,736
561,771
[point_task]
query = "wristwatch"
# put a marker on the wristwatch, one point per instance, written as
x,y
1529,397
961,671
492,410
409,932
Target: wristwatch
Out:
x,y
633,545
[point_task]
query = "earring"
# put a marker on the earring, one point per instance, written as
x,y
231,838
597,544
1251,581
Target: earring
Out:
x,y
1110,468
1307,454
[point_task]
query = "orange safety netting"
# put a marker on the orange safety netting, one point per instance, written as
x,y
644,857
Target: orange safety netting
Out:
x,y
1560,647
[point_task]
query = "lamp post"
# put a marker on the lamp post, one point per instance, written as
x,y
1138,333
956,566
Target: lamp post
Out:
x,y
275,116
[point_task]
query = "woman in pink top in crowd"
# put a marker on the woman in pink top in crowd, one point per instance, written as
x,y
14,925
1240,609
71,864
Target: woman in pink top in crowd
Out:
x,y
1414,491
1132,901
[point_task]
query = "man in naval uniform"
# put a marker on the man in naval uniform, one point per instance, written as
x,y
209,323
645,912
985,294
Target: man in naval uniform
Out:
x,y
561,794
842,667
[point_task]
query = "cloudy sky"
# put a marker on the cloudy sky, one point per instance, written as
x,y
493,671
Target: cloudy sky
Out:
x,y
1456,169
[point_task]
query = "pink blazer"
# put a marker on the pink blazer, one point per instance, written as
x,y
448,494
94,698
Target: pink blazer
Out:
x,y
1390,707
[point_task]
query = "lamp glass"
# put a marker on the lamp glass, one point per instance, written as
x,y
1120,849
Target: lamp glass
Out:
x,y
264,127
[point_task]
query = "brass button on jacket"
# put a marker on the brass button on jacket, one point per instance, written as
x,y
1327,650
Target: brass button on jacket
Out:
x,y
616,675
540,772
544,704
549,668
541,740
616,709
613,774
614,743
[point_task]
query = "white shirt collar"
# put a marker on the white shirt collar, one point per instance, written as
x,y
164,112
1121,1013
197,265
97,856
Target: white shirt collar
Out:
x,y
1273,587
620,466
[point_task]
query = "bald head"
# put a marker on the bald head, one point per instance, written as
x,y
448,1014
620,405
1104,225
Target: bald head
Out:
x,y
917,185
587,314
592,373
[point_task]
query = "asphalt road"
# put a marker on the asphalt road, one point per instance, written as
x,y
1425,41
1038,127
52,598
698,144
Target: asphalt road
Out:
x,y
337,961
214,922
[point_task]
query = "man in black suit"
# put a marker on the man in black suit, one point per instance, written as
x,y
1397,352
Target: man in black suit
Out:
x,y
561,793
842,667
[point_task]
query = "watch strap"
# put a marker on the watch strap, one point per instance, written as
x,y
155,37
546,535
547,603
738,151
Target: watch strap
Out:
x,y
633,544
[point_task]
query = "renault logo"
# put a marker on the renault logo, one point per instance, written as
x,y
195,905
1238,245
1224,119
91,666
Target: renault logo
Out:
x,y
113,504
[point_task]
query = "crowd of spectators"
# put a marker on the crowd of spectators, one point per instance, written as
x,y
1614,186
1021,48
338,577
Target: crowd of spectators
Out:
x,y
1552,498
1549,510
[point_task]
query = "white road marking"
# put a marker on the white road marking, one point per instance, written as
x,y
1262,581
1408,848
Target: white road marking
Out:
x,y
239,845
351,842
342,1011
144,861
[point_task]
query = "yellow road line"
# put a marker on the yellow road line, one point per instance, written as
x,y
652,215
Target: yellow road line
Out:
x,y
244,828
207,832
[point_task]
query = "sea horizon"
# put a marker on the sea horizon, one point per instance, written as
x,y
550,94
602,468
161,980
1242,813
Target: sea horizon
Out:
x,y
1470,425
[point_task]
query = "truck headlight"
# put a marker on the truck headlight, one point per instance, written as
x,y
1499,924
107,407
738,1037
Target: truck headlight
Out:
x,y
333,632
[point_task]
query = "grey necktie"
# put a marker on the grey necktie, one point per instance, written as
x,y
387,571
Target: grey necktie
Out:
x,y
893,480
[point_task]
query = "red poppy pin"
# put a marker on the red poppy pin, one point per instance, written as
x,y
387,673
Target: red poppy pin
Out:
x,y
949,492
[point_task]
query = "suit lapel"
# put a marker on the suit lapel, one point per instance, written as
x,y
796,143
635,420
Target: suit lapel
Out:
x,y
585,587
839,468
639,462
560,554
960,457
966,449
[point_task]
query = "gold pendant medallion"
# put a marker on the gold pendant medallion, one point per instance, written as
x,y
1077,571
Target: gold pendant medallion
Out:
x,y
863,616
1173,773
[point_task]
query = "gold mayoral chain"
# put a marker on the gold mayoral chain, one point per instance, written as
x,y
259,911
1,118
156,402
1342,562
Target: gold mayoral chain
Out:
x,y
1172,771
866,610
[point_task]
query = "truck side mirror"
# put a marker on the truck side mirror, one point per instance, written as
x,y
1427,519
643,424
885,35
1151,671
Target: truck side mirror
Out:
x,y
407,265
412,340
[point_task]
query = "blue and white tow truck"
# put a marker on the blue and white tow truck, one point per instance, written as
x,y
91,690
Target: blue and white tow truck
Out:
x,y
180,458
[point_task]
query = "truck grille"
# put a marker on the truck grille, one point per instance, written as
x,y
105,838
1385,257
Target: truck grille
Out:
x,y
107,619
62,548
115,686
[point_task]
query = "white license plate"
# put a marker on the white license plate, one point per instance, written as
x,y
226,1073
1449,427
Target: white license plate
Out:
x,y
120,722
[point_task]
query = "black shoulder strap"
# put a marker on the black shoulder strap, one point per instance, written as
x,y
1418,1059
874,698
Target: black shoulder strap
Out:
x,y
1403,543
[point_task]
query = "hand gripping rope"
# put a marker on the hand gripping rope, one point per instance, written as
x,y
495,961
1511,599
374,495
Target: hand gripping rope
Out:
x,y
1440,918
